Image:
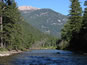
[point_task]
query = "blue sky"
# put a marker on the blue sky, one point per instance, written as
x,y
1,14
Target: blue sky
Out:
x,y
61,6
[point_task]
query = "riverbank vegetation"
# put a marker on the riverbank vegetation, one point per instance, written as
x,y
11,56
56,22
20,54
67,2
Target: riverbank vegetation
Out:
x,y
15,33
74,33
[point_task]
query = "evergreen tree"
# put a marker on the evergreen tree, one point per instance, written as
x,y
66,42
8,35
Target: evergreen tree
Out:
x,y
12,25
73,26
84,23
2,7
12,31
83,32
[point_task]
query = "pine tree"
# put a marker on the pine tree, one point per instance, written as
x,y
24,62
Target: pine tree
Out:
x,y
11,23
73,26
83,32
2,7
84,26
12,27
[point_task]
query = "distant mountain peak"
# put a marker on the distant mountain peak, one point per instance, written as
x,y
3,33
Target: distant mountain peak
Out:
x,y
23,8
46,20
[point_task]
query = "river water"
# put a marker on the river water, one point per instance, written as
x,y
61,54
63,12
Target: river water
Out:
x,y
45,57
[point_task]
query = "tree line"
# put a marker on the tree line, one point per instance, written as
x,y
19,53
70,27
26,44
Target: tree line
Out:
x,y
15,33
10,29
74,33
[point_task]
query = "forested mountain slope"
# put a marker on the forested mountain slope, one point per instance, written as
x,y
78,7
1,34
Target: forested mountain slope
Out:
x,y
46,20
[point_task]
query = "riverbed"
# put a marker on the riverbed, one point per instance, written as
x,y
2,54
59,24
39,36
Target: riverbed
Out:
x,y
45,57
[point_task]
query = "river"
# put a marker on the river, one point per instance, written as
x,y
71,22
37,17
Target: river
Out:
x,y
45,57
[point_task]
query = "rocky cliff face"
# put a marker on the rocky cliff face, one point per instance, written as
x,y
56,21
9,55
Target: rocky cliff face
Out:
x,y
23,8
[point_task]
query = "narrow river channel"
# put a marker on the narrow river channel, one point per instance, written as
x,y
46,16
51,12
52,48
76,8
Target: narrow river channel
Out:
x,y
45,57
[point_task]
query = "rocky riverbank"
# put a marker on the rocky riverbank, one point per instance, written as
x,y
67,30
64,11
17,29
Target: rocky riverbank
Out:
x,y
8,53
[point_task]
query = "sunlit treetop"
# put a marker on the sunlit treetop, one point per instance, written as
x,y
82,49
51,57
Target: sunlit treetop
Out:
x,y
85,4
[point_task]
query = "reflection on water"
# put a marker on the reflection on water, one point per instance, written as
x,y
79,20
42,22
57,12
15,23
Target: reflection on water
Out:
x,y
5,60
45,57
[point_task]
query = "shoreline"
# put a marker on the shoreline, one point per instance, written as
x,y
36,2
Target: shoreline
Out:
x,y
8,53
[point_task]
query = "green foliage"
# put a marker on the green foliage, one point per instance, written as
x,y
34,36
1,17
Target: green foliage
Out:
x,y
51,42
69,33
74,33
3,49
11,28
83,33
30,34
17,34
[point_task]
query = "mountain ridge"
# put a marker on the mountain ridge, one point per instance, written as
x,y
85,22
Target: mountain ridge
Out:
x,y
46,20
